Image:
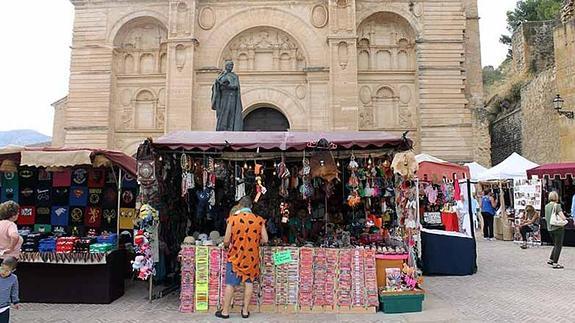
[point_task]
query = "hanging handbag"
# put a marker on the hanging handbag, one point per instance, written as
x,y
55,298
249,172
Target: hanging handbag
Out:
x,y
556,219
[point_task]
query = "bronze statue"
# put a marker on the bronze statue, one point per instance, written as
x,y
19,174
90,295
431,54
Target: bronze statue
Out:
x,y
227,101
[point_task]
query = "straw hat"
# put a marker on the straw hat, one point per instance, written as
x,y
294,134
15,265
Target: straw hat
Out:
x,y
8,166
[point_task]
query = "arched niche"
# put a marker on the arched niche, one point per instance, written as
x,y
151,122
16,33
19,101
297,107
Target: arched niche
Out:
x,y
139,45
145,110
389,39
264,49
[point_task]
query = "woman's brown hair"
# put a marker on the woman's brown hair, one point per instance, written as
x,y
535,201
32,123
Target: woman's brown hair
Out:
x,y
8,209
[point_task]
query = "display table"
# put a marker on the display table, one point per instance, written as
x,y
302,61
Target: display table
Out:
x,y
447,253
450,221
73,283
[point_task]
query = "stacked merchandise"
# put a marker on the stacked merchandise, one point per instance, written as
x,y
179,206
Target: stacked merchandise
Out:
x,y
65,244
319,277
332,256
314,277
268,278
306,277
202,278
188,273
101,248
47,245
31,242
370,278
281,282
293,276
108,238
344,278
83,244
214,280
358,280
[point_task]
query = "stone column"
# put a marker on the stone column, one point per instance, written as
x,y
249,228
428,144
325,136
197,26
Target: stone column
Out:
x,y
474,88
342,42
180,66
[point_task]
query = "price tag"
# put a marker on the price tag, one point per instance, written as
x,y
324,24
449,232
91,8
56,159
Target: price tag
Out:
x,y
282,257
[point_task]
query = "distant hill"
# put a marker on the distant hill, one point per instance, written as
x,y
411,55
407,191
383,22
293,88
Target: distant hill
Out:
x,y
22,138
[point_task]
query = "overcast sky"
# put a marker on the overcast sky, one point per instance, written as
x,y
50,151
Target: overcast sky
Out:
x,y
35,57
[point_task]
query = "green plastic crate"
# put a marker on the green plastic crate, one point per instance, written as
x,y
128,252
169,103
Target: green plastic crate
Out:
x,y
401,303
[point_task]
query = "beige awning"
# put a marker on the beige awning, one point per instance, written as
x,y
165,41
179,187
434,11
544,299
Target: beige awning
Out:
x,y
55,158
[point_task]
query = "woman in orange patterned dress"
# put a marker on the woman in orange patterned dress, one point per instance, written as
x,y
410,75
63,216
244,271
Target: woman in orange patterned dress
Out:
x,y
244,234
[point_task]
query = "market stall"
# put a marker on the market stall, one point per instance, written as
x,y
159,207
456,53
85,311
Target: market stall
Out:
x,y
73,204
333,207
448,245
557,177
500,179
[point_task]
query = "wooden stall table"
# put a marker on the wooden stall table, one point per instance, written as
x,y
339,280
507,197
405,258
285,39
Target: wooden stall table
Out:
x,y
382,262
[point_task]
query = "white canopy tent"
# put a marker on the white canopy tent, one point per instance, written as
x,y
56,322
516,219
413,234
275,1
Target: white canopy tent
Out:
x,y
475,169
515,166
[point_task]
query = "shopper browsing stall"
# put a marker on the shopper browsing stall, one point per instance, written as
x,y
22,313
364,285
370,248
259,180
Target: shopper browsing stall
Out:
x,y
488,211
244,233
10,240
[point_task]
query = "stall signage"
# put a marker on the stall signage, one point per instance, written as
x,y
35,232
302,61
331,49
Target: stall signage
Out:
x,y
432,217
282,257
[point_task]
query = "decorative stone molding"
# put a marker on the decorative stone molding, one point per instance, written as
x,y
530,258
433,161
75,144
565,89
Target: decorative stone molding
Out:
x,y
207,18
319,16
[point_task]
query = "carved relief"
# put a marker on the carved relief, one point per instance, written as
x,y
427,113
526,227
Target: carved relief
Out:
x,y
182,18
343,54
365,95
343,15
162,96
207,18
404,94
388,41
126,97
300,92
366,118
319,16
265,49
181,53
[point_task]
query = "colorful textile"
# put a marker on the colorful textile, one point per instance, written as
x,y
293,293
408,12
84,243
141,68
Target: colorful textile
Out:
x,y
9,187
59,216
96,177
93,217
128,181
77,215
79,196
43,215
27,215
79,176
60,196
127,216
62,179
95,196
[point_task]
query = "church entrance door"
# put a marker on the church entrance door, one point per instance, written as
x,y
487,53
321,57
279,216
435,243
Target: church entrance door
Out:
x,y
266,119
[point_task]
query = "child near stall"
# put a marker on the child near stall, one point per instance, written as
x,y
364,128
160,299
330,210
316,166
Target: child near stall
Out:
x,y
8,288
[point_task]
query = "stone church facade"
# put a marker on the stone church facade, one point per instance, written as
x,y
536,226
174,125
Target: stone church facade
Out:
x,y
143,68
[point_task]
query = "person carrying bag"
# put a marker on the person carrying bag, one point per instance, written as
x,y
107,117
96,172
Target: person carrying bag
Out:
x,y
556,222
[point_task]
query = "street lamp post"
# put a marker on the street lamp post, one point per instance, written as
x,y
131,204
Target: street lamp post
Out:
x,y
558,105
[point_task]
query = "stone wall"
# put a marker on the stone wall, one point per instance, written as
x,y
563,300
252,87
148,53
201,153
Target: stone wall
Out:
x,y
540,123
565,67
506,136
532,46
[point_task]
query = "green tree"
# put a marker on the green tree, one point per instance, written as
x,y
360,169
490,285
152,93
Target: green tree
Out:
x,y
491,75
530,10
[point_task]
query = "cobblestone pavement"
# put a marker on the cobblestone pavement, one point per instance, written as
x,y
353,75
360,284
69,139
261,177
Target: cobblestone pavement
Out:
x,y
512,285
